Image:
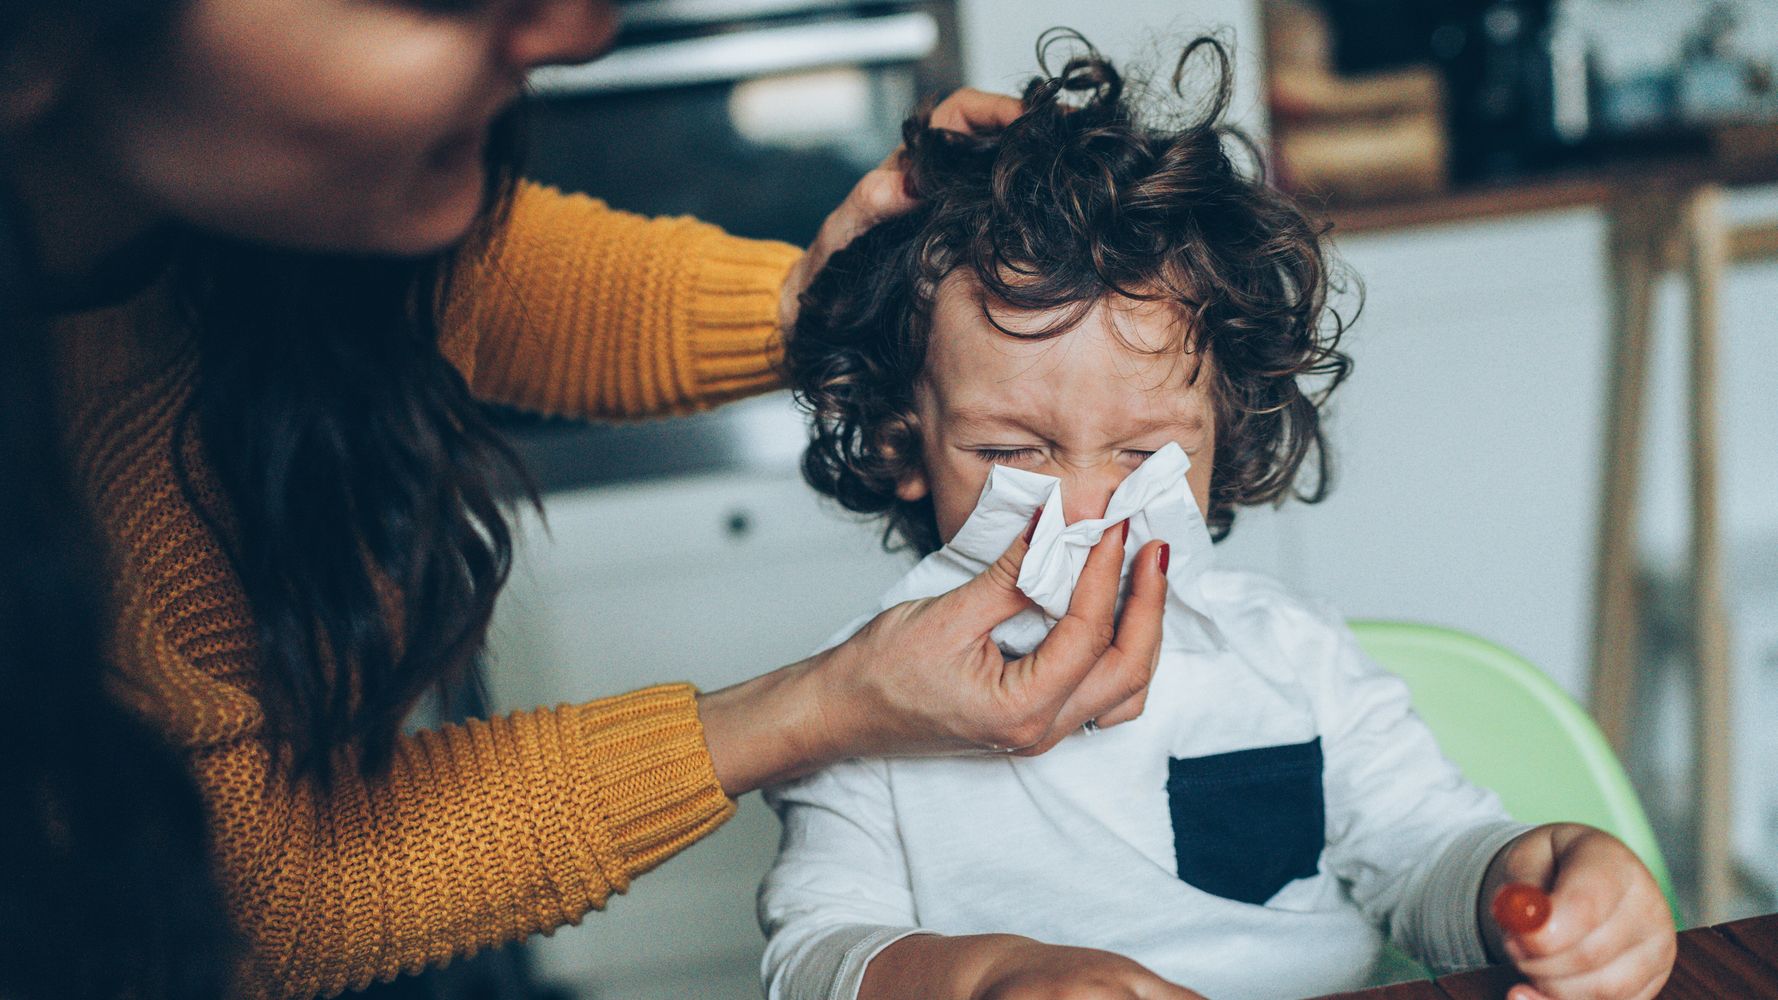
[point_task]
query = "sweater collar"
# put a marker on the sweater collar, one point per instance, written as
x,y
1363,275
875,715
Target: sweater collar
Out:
x,y
118,278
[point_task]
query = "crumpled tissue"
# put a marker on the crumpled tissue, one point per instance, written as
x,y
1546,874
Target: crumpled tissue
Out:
x,y
1154,498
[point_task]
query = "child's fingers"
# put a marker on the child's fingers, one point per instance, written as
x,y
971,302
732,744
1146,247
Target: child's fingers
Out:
x,y
1589,890
1555,950
1628,932
1608,906
1638,973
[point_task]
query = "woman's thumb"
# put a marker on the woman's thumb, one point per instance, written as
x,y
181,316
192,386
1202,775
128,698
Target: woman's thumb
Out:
x,y
993,595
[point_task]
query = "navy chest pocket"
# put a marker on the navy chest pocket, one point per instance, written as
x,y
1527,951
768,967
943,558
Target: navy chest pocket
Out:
x,y
1247,823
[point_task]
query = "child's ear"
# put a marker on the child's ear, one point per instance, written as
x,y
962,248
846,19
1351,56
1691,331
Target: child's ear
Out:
x,y
912,486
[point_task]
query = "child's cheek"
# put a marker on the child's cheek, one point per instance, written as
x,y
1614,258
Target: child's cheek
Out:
x,y
1197,479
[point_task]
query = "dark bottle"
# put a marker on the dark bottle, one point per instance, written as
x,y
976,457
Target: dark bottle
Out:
x,y
1496,60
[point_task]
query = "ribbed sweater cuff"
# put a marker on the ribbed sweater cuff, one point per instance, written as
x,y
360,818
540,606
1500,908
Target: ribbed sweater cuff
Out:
x,y
735,344
657,788
1442,927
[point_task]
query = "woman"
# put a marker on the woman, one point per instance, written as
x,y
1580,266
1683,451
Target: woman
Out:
x,y
272,259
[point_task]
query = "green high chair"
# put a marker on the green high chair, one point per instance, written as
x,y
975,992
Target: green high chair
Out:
x,y
1510,728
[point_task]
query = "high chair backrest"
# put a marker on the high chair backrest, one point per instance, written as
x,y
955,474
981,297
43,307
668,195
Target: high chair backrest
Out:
x,y
1510,728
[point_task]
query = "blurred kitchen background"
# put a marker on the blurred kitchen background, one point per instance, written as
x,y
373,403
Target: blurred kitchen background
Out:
x,y
1503,175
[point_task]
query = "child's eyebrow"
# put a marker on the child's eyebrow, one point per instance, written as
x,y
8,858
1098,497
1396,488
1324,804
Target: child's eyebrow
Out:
x,y
1188,423
967,414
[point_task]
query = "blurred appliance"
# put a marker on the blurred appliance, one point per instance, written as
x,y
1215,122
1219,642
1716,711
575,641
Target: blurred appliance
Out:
x,y
1375,136
1502,61
757,115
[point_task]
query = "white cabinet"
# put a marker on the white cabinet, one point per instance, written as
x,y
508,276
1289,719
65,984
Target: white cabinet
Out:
x,y
710,580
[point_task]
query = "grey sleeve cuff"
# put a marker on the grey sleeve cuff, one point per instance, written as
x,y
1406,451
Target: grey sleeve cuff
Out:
x,y
832,967
1437,920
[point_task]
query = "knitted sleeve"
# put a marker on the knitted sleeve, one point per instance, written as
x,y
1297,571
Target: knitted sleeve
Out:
x,y
475,835
577,309
478,835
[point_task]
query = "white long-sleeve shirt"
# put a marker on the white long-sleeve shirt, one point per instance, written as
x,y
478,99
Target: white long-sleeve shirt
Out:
x,y
1274,813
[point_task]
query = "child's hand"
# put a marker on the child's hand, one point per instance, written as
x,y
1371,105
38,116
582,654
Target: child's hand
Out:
x,y
1007,967
1609,935
1036,971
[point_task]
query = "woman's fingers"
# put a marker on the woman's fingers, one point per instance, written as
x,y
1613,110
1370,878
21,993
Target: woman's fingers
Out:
x,y
925,676
883,193
1098,663
1117,688
993,595
1094,603
1130,708
1160,989
969,110
880,194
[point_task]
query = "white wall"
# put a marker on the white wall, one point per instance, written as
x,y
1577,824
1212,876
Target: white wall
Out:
x,y
999,39
1466,443
1469,456
706,579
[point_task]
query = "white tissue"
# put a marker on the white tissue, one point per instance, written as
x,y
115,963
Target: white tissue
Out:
x,y
1155,500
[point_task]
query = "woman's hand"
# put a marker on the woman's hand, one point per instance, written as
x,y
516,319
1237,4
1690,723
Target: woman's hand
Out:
x,y
924,677
1005,967
883,193
1609,935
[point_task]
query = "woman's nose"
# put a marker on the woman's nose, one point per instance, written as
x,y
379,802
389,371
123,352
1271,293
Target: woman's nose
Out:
x,y
552,32
1087,492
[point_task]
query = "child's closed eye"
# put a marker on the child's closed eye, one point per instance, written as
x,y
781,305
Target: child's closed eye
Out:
x,y
997,455
1130,456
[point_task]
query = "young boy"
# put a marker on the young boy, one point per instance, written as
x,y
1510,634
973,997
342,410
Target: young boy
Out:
x,y
1094,333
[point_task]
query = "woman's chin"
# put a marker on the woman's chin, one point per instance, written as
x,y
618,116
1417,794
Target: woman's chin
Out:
x,y
437,221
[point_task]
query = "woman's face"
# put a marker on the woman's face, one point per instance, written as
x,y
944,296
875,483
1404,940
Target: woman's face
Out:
x,y
336,124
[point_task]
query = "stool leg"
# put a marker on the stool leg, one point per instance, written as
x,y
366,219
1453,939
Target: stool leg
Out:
x,y
1707,255
1635,256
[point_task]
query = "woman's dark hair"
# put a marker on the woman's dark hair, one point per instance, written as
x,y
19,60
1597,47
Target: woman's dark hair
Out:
x,y
362,497
105,884
364,490
1077,199
105,873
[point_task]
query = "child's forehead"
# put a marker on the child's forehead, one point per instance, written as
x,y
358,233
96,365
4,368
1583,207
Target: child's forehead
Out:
x,y
1099,379
976,338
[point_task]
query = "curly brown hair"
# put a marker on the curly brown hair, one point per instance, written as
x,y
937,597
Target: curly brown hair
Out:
x,y
1077,199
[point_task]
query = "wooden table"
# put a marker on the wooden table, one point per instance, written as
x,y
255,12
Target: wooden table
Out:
x,y
1734,961
1662,214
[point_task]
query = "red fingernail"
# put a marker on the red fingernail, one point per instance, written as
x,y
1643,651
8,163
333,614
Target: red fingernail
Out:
x,y
1126,531
1166,554
1031,529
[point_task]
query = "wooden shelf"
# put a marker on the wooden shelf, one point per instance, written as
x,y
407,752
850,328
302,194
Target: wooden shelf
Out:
x,y
1549,192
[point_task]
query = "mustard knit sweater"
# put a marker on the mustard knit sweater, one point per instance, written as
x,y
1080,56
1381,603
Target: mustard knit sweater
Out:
x,y
479,834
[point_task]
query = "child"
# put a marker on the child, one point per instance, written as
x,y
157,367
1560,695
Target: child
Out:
x,y
1096,331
